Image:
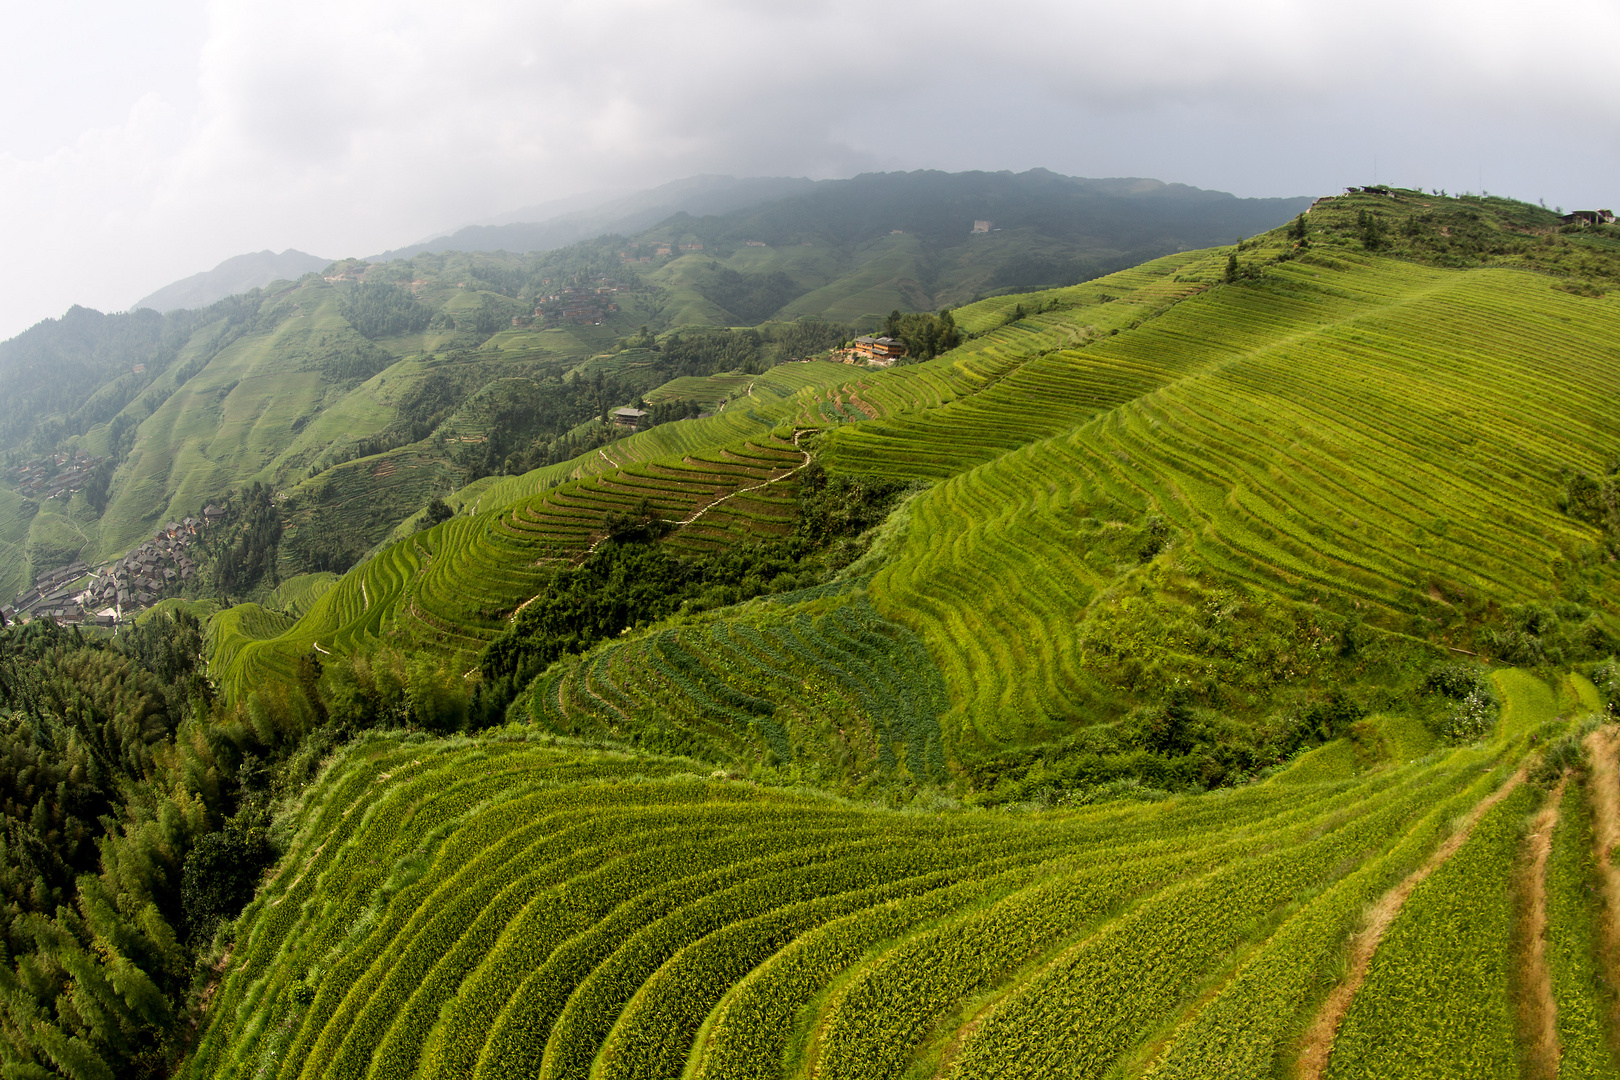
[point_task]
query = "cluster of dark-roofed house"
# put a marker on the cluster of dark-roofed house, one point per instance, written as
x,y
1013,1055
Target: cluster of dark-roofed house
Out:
x,y
580,305
116,591
48,477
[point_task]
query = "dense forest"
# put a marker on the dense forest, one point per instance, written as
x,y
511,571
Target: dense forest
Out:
x,y
123,775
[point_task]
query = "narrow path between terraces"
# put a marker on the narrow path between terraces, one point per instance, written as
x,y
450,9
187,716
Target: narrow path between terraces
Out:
x,y
1538,1012
1601,748
1313,1055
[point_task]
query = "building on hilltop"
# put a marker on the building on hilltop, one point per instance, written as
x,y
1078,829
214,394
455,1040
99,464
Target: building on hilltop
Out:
x,y
628,417
1589,217
982,226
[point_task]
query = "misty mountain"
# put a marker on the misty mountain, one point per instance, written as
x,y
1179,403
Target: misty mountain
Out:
x,y
942,208
852,250
235,275
697,195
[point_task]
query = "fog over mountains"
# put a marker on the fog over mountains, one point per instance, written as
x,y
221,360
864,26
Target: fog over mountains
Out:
x,y
235,275
927,202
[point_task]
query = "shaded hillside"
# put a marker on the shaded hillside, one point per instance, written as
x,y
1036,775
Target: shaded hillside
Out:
x,y
852,250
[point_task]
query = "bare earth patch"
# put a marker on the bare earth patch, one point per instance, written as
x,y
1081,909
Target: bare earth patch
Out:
x,y
1601,747
1538,1012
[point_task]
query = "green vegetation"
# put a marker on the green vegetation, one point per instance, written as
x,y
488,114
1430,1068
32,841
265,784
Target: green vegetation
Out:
x,y
515,904
1436,1000
119,770
1107,694
926,335
1583,999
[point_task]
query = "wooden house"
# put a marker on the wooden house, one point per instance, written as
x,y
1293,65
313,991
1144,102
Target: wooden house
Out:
x,y
879,350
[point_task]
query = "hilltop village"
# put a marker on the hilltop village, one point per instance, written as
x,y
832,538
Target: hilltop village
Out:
x,y
75,594
578,305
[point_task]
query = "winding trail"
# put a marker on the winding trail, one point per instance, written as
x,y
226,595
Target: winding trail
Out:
x,y
1538,1011
1601,748
1318,1044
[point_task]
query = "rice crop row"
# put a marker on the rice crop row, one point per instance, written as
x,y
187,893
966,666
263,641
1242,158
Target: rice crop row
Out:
x,y
1436,1000
844,687
479,908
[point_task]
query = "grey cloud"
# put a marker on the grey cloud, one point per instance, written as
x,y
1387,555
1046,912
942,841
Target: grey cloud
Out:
x,y
358,126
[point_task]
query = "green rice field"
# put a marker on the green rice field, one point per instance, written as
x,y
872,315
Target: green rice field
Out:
x,y
512,905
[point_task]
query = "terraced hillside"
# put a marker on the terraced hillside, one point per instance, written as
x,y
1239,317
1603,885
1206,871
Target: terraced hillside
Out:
x,y
1203,708
1345,437
1243,480
811,679
503,906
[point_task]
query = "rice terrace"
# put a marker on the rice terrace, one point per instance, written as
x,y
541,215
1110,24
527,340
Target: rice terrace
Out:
x,y
1207,670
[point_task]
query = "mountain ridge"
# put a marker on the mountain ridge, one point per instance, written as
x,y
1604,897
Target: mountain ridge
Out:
x,y
238,274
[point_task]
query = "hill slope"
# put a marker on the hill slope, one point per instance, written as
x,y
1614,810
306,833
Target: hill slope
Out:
x,y
238,274
1160,490
355,398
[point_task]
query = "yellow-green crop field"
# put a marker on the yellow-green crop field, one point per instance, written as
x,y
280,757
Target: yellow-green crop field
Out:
x,y
512,906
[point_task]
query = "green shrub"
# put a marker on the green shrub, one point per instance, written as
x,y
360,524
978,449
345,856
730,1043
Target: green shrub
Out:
x,y
220,874
1473,706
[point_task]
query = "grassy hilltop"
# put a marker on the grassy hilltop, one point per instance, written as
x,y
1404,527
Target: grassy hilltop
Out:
x,y
1206,670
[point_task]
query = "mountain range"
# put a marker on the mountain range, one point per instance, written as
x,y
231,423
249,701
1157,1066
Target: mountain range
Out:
x,y
1047,205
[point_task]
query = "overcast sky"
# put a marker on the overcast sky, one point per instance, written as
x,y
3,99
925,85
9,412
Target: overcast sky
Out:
x,y
141,143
